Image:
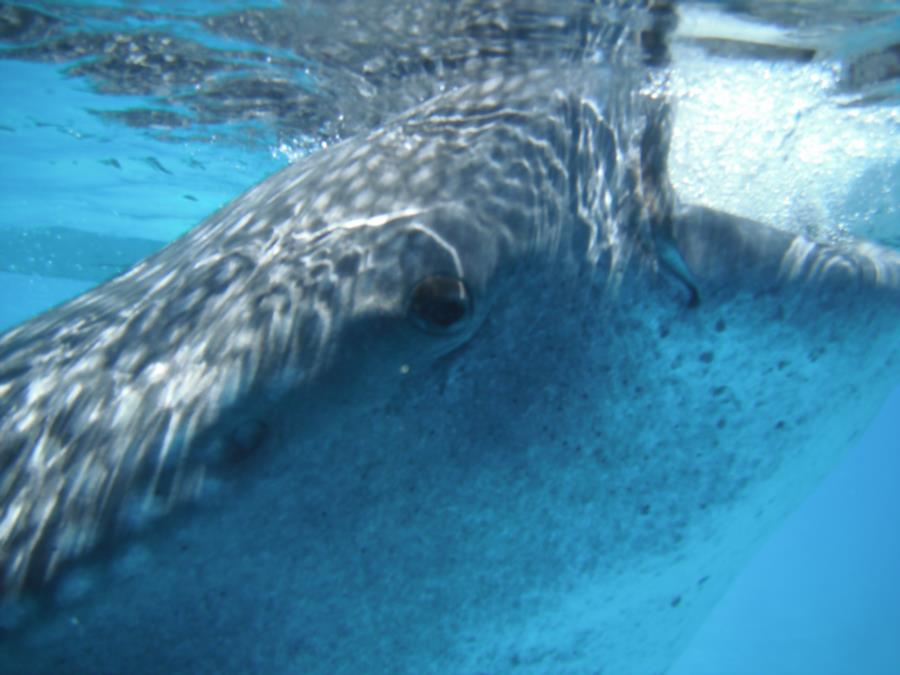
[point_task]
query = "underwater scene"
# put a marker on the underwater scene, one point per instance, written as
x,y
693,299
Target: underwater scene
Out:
x,y
498,336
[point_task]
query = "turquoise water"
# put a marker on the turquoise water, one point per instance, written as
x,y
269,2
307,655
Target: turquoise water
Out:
x,y
823,595
73,179
84,195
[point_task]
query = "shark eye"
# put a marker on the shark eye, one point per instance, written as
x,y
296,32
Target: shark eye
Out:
x,y
440,304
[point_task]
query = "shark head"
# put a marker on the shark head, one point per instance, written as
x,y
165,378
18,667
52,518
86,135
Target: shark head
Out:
x,y
469,393
340,274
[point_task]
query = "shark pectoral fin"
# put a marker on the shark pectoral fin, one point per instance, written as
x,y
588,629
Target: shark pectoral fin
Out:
x,y
718,250
715,247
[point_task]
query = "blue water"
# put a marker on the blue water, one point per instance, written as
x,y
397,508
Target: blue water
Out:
x,y
823,595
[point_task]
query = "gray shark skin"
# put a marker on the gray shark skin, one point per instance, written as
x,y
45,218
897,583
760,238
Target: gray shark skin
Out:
x,y
469,394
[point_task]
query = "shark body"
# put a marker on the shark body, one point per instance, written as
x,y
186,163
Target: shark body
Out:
x,y
470,393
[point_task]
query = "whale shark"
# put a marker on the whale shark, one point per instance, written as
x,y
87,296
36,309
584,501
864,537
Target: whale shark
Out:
x,y
472,392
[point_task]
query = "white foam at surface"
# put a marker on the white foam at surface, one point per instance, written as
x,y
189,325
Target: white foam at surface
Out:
x,y
775,141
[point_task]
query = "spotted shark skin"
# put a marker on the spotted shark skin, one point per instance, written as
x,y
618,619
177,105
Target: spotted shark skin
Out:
x,y
561,475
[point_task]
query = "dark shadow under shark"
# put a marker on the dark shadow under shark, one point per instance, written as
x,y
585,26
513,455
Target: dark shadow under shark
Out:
x,y
468,393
